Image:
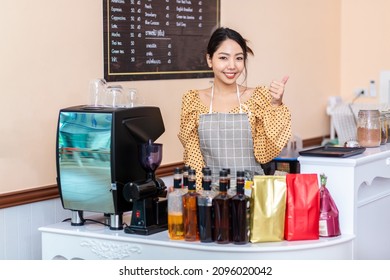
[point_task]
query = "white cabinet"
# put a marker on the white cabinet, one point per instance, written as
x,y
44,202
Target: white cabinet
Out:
x,y
360,186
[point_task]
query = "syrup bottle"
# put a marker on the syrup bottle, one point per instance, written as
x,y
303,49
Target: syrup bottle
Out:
x,y
240,212
205,207
221,209
190,209
175,208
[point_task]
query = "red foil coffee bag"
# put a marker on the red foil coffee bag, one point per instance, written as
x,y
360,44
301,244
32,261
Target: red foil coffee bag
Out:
x,y
302,209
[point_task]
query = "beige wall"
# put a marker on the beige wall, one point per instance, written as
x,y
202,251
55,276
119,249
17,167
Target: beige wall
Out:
x,y
51,49
300,38
365,45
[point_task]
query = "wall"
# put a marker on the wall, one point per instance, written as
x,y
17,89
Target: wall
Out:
x,y
51,49
365,45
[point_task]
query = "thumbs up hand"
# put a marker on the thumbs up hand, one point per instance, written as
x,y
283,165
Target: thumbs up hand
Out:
x,y
276,90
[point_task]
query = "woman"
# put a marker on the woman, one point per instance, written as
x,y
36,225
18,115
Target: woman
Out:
x,y
230,125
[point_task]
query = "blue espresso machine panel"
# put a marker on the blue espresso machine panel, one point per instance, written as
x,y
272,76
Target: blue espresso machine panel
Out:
x,y
97,154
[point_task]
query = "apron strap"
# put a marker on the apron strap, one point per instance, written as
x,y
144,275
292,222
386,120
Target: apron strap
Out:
x,y
212,97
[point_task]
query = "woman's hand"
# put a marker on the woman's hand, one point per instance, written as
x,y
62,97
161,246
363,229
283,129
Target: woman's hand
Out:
x,y
277,90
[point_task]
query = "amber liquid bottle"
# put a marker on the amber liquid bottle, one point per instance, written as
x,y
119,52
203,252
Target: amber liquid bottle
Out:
x,y
221,209
240,212
175,208
190,209
205,209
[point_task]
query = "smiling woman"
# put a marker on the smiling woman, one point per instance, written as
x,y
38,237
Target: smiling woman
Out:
x,y
230,125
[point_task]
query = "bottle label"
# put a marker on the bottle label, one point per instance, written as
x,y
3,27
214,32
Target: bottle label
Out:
x,y
323,228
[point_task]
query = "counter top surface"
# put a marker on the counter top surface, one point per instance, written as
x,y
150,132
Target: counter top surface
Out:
x,y
369,155
96,230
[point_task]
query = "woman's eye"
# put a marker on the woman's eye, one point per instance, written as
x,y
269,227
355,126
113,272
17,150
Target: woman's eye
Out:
x,y
240,58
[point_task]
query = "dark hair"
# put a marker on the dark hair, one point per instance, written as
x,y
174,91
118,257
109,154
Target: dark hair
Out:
x,y
223,33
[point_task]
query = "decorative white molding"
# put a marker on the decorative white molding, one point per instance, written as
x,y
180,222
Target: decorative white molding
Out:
x,y
111,250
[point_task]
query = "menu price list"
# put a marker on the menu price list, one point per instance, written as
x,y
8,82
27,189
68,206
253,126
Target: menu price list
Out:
x,y
157,39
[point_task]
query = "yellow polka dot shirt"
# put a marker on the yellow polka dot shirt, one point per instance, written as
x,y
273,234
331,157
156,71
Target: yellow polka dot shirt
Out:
x,y
270,125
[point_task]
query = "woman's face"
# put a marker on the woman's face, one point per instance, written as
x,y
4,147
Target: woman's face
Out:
x,y
227,62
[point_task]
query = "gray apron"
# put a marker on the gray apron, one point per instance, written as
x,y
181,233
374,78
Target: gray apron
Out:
x,y
226,141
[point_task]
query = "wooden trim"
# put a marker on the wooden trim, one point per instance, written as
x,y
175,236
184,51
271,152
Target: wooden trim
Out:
x,y
49,192
28,196
313,141
167,169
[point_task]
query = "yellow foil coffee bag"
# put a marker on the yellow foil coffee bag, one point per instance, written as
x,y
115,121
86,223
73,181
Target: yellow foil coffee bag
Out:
x,y
267,208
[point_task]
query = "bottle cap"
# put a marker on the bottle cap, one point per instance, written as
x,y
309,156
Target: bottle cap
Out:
x,y
204,169
207,172
176,178
206,184
191,179
186,168
227,170
223,173
323,179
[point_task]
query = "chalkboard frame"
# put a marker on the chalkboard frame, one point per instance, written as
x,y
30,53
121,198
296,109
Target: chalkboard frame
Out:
x,y
194,60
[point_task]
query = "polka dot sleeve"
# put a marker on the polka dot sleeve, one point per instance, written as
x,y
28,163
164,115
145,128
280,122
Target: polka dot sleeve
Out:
x,y
271,126
188,133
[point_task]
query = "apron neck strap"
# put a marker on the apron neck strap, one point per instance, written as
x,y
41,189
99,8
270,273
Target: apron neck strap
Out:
x,y
212,97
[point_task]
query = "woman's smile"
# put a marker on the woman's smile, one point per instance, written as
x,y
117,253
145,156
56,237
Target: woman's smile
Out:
x,y
230,75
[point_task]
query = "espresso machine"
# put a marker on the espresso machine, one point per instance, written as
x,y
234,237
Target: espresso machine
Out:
x,y
150,205
97,152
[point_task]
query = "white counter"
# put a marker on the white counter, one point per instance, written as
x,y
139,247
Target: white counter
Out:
x,y
95,241
360,186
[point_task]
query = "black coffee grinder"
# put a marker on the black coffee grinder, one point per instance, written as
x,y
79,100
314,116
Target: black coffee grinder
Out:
x,y
150,213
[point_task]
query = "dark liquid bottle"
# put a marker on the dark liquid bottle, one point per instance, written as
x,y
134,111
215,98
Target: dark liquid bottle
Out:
x,y
205,208
221,209
190,209
240,212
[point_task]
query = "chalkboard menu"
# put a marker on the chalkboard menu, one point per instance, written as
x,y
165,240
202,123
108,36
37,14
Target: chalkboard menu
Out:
x,y
157,39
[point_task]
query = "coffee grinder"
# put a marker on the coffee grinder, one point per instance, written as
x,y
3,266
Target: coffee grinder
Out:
x,y
150,213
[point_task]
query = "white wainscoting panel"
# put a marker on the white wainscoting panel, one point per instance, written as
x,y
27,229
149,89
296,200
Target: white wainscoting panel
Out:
x,y
19,235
